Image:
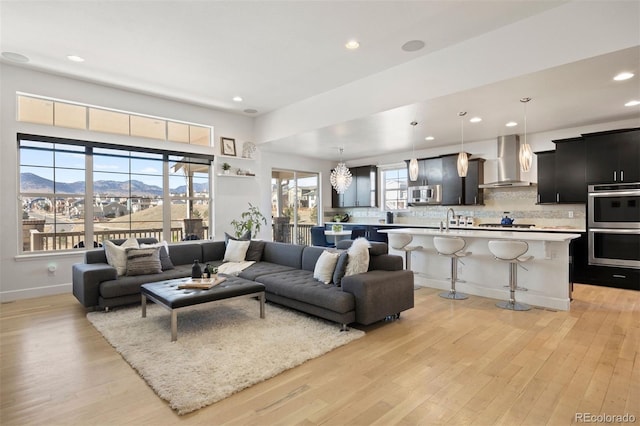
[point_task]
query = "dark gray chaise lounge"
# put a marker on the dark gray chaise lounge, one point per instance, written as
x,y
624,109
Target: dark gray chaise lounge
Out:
x,y
286,270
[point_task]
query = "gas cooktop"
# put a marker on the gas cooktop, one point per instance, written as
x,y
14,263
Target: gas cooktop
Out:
x,y
499,225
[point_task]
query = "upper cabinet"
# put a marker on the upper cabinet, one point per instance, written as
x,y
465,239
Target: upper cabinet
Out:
x,y
561,173
363,189
458,190
613,157
429,172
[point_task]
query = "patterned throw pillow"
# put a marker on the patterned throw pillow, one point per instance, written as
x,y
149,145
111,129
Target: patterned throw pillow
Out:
x,y
165,260
143,261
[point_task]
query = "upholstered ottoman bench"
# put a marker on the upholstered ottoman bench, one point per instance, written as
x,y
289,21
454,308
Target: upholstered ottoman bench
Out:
x,y
168,295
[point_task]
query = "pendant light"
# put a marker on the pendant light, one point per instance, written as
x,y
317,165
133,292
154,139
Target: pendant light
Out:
x,y
413,163
340,177
463,160
526,154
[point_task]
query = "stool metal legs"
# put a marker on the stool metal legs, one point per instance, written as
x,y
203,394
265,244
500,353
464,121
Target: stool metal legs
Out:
x,y
511,304
452,294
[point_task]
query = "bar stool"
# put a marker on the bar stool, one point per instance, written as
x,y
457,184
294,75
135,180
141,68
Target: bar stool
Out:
x,y
401,242
452,247
511,251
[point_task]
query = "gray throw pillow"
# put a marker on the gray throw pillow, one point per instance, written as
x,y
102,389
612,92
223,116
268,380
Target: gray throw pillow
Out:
x,y
341,268
165,260
245,237
255,250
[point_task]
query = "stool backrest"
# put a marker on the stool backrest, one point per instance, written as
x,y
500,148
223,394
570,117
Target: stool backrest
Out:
x,y
448,245
399,241
508,249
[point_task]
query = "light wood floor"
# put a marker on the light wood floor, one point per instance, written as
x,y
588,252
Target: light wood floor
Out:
x,y
443,362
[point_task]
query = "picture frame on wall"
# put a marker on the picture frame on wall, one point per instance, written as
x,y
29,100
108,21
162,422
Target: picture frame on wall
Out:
x,y
228,146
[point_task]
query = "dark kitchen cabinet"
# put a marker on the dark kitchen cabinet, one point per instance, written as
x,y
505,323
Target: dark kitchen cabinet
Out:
x,y
452,184
613,156
570,174
546,177
458,190
473,195
429,172
562,173
363,189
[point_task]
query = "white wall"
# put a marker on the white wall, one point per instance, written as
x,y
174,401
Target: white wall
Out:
x,y
27,275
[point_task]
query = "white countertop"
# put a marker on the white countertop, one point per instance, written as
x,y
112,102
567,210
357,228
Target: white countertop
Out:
x,y
474,233
550,229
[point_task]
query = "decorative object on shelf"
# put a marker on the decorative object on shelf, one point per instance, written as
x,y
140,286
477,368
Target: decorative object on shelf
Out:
x,y
463,160
228,146
341,217
248,148
340,176
413,163
526,154
250,220
225,168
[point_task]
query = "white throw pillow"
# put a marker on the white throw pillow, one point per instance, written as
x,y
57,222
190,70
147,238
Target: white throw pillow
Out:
x,y
358,257
236,251
117,255
325,266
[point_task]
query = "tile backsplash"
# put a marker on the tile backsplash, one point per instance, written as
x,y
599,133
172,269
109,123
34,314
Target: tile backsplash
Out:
x,y
520,202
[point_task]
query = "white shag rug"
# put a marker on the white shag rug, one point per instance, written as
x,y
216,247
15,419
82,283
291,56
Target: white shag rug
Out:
x,y
221,349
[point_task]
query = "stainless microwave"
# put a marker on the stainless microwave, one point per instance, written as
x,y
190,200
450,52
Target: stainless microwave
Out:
x,y
425,195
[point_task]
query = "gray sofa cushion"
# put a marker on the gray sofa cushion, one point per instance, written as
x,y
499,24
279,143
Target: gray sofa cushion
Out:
x,y
185,253
126,285
212,250
377,248
263,268
310,257
283,254
301,286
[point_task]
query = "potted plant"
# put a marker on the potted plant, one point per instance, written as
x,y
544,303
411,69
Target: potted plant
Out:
x,y
250,221
225,168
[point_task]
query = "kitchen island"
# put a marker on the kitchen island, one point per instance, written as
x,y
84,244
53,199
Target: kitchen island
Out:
x,y
546,277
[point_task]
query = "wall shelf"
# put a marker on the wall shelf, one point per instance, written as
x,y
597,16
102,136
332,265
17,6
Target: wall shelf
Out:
x,y
233,157
234,175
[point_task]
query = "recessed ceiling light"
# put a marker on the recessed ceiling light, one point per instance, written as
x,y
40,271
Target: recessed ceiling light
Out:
x,y
250,111
511,124
623,76
352,44
15,57
413,45
632,103
237,99
75,58
429,138
475,119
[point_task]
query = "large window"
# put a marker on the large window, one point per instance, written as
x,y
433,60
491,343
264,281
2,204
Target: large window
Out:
x,y
394,188
75,191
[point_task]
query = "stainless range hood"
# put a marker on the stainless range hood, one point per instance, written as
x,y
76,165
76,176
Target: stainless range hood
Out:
x,y
508,163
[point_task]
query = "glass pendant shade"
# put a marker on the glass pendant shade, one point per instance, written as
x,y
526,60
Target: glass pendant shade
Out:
x,y
463,164
413,169
525,154
340,177
526,157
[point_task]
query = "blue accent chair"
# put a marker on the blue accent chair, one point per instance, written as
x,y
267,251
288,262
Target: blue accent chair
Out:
x,y
318,238
358,231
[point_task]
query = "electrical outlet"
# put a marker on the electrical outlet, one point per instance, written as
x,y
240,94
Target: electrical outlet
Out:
x,y
570,214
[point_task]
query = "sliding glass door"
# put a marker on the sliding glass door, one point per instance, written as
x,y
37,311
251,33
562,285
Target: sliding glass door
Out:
x,y
294,205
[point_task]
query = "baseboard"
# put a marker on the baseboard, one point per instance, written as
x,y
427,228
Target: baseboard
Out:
x,y
30,293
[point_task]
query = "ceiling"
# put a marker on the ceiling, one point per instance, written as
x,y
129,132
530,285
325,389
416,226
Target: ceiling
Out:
x,y
310,95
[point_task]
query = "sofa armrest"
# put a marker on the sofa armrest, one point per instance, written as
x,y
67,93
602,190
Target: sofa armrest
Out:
x,y
379,294
86,281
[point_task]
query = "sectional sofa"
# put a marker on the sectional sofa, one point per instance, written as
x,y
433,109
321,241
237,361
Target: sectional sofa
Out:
x,y
286,270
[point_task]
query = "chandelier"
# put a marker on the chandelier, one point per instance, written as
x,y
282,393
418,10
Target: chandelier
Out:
x,y
413,163
340,177
463,160
526,155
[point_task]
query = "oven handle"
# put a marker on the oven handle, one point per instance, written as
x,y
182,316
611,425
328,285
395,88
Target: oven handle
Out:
x,y
613,193
615,231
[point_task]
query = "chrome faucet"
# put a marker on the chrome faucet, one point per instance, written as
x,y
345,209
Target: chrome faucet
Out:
x,y
453,214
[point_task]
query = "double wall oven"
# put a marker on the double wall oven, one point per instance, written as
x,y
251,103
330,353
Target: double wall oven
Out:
x,y
613,213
